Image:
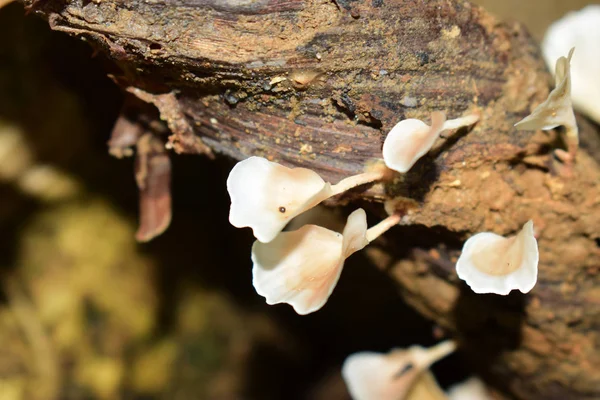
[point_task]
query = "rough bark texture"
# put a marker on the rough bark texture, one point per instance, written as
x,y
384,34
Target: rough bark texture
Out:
x,y
318,83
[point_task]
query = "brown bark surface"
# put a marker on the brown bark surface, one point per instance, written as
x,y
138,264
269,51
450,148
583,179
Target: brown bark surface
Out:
x,y
318,83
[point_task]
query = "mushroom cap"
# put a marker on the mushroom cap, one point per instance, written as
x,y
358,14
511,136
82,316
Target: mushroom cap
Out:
x,y
355,233
579,29
302,267
376,376
471,389
490,263
557,109
410,140
265,195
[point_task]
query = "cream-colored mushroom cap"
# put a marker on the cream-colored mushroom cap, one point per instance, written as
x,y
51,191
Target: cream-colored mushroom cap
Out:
x,y
265,195
490,263
557,110
375,376
411,139
471,389
302,267
579,29
391,376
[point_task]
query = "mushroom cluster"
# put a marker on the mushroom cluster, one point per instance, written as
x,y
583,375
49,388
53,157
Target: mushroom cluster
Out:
x,y
302,267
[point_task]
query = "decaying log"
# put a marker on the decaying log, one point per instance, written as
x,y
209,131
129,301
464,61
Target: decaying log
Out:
x,y
318,83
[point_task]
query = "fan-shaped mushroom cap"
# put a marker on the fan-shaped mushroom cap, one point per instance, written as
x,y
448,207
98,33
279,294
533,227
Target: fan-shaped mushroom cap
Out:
x,y
579,29
265,195
411,139
355,233
302,267
557,110
376,376
471,389
490,263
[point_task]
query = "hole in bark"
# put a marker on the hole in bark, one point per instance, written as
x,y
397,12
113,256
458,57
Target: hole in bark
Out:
x,y
155,46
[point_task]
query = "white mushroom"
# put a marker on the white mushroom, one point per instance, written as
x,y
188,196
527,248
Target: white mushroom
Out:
x,y
411,139
557,110
579,29
470,389
490,263
376,376
265,195
302,267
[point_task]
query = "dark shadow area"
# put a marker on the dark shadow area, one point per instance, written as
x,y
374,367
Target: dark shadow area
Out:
x,y
589,138
200,245
450,141
490,324
412,241
16,210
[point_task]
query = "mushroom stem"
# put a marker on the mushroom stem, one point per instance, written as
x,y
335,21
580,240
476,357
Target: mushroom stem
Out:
x,y
433,354
572,139
460,122
357,180
382,227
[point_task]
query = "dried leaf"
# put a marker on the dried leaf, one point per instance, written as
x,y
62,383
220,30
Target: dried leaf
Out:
x,y
153,177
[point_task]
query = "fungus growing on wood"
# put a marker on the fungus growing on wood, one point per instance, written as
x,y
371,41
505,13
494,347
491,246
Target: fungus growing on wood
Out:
x,y
579,29
557,110
490,263
265,195
411,139
302,267
391,376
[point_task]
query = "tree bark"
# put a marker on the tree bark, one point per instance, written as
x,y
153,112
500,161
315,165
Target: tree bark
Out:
x,y
319,83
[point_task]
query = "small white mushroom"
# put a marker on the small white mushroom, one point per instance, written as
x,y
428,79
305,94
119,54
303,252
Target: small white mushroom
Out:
x,y
471,389
265,195
411,139
377,376
557,110
579,29
490,263
302,267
